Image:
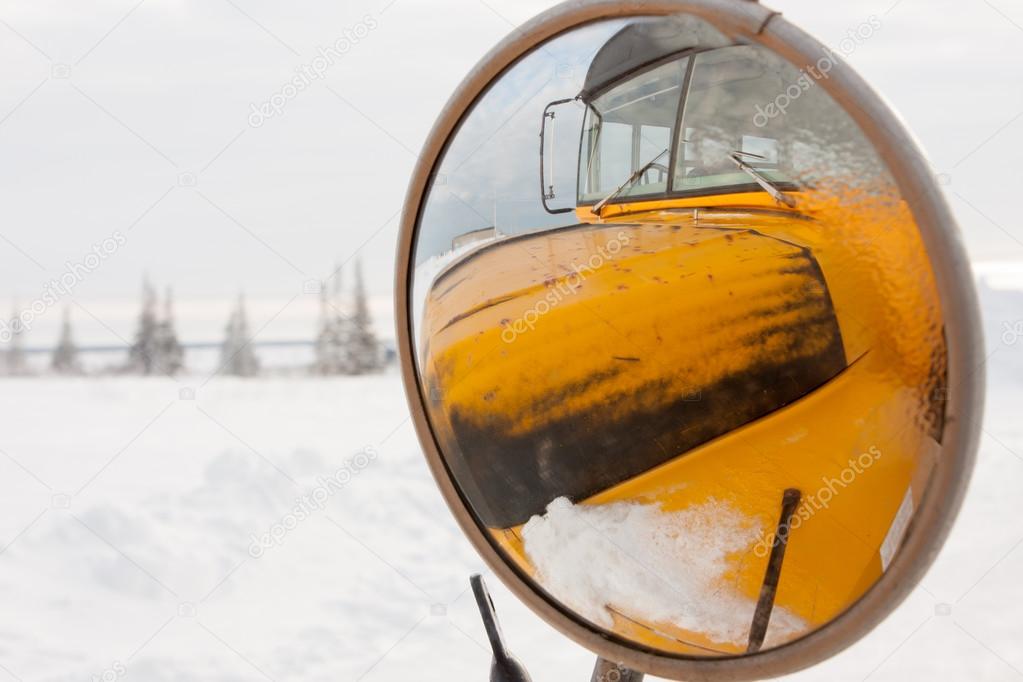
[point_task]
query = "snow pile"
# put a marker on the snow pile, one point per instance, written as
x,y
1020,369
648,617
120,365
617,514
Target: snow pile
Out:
x,y
151,565
666,567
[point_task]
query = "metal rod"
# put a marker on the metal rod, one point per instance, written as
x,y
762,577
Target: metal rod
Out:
x,y
547,191
553,132
765,605
504,667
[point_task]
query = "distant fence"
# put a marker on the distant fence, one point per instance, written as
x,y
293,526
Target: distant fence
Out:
x,y
276,357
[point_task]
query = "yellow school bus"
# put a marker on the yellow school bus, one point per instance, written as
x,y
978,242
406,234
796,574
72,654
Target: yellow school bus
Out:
x,y
741,307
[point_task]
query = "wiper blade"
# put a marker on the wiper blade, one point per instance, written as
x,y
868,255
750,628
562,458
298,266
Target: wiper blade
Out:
x,y
760,178
598,208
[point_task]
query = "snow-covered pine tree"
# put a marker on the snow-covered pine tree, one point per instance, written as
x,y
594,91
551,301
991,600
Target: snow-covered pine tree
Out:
x,y
321,363
16,363
332,356
363,348
65,356
342,326
246,362
144,355
319,345
237,357
229,347
170,354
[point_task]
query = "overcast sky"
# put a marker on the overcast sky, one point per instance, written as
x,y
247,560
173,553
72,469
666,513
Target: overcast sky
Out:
x,y
136,118
490,173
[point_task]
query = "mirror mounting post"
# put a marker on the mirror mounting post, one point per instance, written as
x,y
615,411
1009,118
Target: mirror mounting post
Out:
x,y
505,667
606,671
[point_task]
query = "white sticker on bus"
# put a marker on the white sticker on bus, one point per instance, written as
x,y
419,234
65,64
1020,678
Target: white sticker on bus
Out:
x,y
897,530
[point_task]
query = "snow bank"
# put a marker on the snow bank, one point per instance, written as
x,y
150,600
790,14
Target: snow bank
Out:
x,y
667,567
181,500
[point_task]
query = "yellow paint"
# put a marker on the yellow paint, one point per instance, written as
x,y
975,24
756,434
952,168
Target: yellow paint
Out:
x,y
742,200
658,296
603,312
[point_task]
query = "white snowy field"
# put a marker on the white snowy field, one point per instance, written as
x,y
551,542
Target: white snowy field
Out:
x,y
128,507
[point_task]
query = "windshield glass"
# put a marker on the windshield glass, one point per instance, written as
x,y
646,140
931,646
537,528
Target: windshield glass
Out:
x,y
626,128
741,103
719,120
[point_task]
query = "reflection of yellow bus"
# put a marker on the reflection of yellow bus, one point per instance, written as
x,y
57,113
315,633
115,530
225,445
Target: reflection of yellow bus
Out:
x,y
745,307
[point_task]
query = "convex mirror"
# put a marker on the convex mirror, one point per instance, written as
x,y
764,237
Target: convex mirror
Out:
x,y
688,335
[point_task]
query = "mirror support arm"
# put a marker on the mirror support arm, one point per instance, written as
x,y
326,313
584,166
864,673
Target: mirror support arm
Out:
x,y
547,191
606,671
505,667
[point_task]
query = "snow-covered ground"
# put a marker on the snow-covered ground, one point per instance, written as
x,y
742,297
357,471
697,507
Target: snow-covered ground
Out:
x,y
132,512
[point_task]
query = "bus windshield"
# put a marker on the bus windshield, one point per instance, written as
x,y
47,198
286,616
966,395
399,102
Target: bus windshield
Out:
x,y
719,120
626,128
729,111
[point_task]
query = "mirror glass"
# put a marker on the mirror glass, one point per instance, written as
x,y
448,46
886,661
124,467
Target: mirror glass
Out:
x,y
678,337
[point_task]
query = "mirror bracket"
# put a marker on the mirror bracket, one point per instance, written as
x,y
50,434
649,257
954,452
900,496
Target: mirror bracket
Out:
x,y
606,671
505,667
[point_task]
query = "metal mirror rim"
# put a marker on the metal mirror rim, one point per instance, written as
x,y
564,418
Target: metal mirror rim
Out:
x,y
932,522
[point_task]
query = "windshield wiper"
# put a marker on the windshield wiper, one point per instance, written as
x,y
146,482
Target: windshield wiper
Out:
x,y
760,178
598,208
